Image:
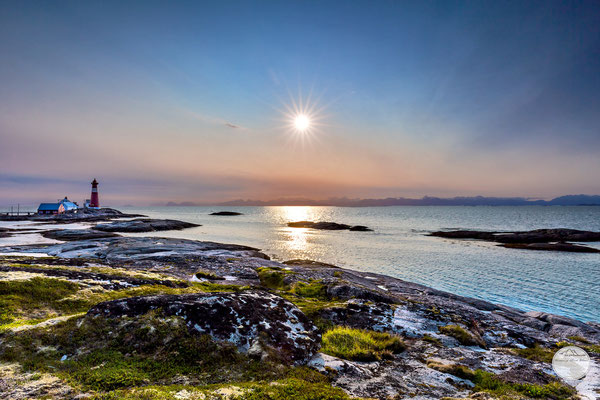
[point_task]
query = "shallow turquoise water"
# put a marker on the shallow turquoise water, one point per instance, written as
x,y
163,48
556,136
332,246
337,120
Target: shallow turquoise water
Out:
x,y
562,283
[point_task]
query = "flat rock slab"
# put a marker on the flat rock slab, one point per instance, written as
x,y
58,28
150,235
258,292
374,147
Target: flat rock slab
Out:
x,y
535,236
226,213
329,226
144,225
76,234
251,320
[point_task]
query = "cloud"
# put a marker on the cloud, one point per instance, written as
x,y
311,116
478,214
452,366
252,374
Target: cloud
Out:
x,y
230,125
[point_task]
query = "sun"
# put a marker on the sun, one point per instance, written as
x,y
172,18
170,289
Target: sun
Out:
x,y
301,122
303,119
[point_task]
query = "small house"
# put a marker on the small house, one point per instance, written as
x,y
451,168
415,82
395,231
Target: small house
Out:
x,y
63,206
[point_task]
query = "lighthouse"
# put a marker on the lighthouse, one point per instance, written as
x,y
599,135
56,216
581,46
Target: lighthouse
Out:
x,y
94,202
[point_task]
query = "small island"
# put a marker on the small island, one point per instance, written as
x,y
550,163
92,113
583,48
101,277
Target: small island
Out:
x,y
328,226
538,239
226,213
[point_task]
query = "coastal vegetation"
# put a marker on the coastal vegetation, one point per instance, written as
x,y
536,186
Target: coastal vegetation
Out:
x,y
360,345
485,381
111,332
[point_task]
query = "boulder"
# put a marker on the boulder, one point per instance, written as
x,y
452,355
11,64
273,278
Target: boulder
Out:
x,y
144,225
251,320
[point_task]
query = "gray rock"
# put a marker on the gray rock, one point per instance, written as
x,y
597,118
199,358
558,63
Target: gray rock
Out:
x,y
76,234
243,319
144,225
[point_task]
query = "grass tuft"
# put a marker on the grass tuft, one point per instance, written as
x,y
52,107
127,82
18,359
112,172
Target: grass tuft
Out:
x,y
463,336
360,345
314,289
273,278
536,353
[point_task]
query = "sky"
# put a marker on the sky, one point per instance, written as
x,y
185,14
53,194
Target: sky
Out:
x,y
194,101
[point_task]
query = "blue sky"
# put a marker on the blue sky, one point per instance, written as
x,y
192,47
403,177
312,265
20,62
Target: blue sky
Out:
x,y
183,100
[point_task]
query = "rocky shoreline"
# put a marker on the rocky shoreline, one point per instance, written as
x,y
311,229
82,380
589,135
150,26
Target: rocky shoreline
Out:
x,y
158,318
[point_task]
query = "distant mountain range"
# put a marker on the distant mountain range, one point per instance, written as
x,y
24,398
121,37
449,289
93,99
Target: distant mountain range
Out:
x,y
570,200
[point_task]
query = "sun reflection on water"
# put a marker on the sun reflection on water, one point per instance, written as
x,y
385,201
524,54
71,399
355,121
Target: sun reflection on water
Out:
x,y
296,239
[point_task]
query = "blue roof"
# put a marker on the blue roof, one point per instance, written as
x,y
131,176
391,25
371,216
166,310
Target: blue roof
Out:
x,y
48,207
68,205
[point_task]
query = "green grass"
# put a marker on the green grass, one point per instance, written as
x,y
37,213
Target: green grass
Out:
x,y
26,302
116,357
208,275
290,388
536,353
432,340
313,289
39,296
360,345
579,339
593,348
463,336
106,354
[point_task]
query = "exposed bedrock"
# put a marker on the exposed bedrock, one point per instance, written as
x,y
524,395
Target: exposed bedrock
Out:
x,y
539,239
535,236
144,225
254,321
329,226
76,234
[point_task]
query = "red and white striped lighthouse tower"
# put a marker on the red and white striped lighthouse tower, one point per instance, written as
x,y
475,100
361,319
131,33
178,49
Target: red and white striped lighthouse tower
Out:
x,y
94,202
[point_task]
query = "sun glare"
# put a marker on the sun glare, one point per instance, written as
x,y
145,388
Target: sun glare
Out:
x,y
303,119
301,122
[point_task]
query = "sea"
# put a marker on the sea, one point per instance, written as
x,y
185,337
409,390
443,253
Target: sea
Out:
x,y
555,282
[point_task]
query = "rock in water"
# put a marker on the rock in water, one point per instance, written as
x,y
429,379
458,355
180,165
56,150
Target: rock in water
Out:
x,y
226,213
251,320
144,225
329,226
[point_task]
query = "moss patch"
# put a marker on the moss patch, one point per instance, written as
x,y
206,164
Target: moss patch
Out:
x,y
360,345
208,275
273,278
536,353
313,289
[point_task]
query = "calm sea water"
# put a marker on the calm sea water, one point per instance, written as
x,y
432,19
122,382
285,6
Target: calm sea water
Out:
x,y
562,283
